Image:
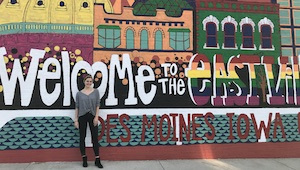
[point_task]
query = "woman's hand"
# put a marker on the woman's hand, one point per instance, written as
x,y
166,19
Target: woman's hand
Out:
x,y
76,124
95,121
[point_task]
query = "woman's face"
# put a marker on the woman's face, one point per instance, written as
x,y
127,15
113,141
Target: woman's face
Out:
x,y
88,82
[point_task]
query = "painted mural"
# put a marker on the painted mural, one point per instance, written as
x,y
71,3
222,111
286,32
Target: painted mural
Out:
x,y
169,72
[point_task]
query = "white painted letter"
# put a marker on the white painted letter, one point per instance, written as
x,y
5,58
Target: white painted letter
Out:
x,y
26,86
44,74
115,64
146,98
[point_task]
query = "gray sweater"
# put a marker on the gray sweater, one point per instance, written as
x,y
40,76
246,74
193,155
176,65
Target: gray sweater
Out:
x,y
87,103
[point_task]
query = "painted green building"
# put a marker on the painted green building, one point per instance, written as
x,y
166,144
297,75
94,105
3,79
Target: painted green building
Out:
x,y
231,28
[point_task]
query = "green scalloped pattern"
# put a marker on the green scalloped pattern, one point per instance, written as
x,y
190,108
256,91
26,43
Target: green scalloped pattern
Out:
x,y
38,133
59,132
290,124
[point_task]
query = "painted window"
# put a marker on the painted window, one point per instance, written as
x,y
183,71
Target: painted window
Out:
x,y
85,4
284,17
286,36
296,3
266,36
229,35
285,3
287,51
144,39
297,36
40,3
296,17
179,38
229,28
297,51
13,1
158,40
129,39
211,34
109,36
247,31
62,4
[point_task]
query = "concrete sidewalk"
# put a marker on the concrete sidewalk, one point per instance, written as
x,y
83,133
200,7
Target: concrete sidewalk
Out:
x,y
197,164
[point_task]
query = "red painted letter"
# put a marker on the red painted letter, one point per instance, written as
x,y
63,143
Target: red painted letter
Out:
x,y
109,126
127,139
195,125
174,115
246,119
210,136
278,122
145,123
261,126
162,138
230,115
186,128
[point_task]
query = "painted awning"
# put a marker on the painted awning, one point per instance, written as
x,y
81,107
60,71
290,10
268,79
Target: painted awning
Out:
x,y
109,27
179,30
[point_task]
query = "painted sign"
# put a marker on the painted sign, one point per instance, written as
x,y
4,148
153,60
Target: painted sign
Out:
x,y
169,73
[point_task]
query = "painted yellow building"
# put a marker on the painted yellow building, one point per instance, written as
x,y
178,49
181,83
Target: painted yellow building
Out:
x,y
50,11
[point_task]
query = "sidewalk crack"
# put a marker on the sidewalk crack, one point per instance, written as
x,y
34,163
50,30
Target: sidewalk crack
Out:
x,y
285,165
161,165
28,165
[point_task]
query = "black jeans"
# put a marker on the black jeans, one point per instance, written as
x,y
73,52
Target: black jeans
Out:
x,y
83,120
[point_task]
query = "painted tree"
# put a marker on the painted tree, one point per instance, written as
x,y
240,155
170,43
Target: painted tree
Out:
x,y
148,7
262,81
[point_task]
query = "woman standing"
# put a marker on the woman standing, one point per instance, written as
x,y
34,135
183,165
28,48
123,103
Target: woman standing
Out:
x,y
87,111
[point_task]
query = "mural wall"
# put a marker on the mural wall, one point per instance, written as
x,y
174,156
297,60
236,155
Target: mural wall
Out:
x,y
202,77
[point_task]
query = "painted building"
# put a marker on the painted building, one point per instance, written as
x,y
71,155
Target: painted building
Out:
x,y
142,36
48,24
290,27
225,29
55,11
237,27
196,79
